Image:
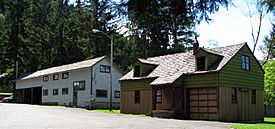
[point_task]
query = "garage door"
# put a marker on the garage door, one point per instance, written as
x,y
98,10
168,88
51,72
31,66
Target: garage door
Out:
x,y
203,103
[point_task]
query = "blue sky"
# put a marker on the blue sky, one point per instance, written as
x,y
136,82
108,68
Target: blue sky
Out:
x,y
232,26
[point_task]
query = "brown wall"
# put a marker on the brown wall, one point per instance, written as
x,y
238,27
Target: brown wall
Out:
x,y
243,110
128,105
167,100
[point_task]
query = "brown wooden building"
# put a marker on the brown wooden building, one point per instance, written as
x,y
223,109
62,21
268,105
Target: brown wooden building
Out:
x,y
224,84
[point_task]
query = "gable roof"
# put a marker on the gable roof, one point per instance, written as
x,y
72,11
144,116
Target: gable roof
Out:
x,y
172,66
63,68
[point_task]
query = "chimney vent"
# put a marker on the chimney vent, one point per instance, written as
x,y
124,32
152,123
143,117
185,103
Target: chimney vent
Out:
x,y
195,45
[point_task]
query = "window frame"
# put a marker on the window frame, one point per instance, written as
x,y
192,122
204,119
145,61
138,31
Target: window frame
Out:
x,y
78,87
55,93
104,68
56,75
100,95
65,77
200,62
245,62
45,92
63,91
117,94
234,95
159,96
137,71
253,96
45,78
137,97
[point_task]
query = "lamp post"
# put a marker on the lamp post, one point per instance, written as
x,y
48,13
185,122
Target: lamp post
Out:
x,y
15,76
111,37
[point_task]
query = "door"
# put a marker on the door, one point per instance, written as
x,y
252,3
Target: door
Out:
x,y
203,103
74,97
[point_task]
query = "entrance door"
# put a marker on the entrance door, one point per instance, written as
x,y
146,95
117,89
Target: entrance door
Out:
x,y
75,98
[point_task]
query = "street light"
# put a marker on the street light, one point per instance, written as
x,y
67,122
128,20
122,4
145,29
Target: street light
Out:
x,y
111,67
15,76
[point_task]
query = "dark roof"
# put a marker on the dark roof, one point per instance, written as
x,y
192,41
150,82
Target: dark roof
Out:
x,y
171,67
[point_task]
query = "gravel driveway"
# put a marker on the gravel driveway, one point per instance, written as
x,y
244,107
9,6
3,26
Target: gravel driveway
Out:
x,y
22,116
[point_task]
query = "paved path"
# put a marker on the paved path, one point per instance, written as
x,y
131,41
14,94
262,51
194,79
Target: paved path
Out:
x,y
21,116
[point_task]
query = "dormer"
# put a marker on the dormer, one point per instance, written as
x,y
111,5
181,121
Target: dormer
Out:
x,y
206,59
143,67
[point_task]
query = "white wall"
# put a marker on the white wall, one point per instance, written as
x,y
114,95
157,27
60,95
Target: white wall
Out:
x,y
29,83
100,81
74,75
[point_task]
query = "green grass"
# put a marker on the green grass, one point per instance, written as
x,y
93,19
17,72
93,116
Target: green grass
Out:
x,y
116,112
107,111
2,93
269,123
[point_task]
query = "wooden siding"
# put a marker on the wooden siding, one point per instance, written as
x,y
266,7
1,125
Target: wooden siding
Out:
x,y
142,84
167,100
128,105
200,80
232,75
243,110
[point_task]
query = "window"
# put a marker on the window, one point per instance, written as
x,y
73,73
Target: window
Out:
x,y
104,68
101,93
45,92
137,71
79,85
253,96
65,91
234,95
200,63
159,96
65,75
55,76
137,96
55,91
117,94
45,78
245,62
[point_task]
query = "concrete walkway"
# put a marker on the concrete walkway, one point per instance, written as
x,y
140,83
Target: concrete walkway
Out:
x,y
21,116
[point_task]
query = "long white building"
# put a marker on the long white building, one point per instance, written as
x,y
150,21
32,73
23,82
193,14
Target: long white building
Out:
x,y
82,84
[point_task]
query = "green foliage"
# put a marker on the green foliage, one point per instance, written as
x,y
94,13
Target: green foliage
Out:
x,y
40,34
268,123
269,83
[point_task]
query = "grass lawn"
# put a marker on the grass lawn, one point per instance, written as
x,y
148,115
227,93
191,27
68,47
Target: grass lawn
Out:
x,y
115,112
2,93
269,123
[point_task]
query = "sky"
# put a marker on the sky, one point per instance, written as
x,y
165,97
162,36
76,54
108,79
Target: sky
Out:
x,y
232,26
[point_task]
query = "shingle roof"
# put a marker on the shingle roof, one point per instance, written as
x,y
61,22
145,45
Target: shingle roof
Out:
x,y
62,68
172,66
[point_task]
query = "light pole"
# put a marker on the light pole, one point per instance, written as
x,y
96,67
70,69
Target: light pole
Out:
x,y
15,76
111,37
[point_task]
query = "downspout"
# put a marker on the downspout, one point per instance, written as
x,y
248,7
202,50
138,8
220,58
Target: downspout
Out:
x,y
91,94
91,80
173,105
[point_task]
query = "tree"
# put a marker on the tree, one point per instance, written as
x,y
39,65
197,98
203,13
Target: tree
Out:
x,y
167,26
268,48
269,83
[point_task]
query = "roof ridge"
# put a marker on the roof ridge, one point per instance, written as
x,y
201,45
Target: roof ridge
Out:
x,y
228,46
71,63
